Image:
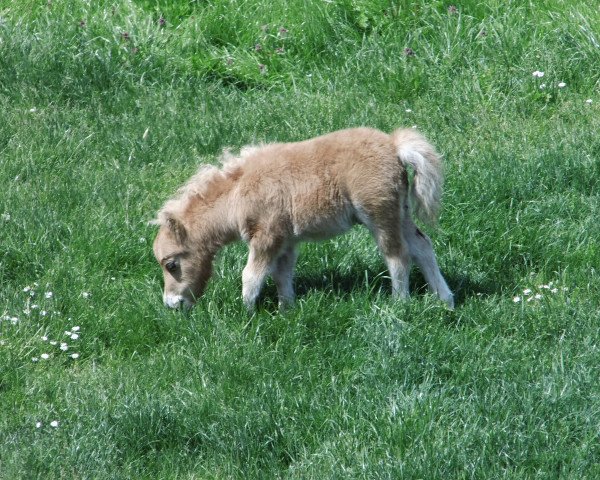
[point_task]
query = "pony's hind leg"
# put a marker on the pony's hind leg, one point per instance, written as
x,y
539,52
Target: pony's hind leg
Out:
x,y
393,248
421,252
283,274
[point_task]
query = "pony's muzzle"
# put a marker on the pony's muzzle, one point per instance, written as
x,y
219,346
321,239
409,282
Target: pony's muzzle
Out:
x,y
177,301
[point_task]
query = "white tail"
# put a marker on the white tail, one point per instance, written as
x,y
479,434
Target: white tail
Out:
x,y
426,188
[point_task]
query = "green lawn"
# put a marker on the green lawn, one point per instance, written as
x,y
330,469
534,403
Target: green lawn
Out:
x,y
107,107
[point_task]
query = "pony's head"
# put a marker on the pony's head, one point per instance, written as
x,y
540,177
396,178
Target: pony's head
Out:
x,y
186,268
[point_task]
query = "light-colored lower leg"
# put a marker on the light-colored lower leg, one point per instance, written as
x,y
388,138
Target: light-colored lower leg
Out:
x,y
421,252
283,277
253,277
399,268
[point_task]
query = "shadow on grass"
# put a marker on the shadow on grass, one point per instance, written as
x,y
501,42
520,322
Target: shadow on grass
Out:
x,y
368,279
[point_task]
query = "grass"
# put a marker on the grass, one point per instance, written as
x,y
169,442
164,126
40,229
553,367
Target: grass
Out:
x,y
106,108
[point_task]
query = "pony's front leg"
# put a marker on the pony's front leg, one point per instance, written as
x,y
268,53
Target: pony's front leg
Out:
x,y
260,263
283,276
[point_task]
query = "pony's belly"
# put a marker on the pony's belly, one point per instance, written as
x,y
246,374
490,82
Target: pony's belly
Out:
x,y
324,229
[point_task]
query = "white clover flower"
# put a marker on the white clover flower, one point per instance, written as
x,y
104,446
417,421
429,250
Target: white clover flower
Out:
x,y
27,289
562,85
75,328
554,290
35,359
14,320
64,347
87,294
45,356
516,299
34,306
54,423
589,101
74,336
527,291
74,356
408,110
538,296
43,313
48,294
38,424
44,338
542,86
53,342
32,110
6,217
538,74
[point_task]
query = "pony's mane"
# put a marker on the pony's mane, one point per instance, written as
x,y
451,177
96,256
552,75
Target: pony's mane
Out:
x,y
204,182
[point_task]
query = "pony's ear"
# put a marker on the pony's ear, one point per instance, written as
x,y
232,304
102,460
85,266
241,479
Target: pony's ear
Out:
x,y
177,228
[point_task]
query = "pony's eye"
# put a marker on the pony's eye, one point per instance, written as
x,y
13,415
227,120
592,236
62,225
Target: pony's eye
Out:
x,y
171,266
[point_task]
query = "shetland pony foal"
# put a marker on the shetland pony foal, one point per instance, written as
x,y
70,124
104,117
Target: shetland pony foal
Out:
x,y
277,195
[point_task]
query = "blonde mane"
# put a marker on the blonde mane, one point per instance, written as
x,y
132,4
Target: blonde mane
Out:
x,y
203,183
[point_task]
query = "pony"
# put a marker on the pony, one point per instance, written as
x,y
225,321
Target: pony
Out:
x,y
274,196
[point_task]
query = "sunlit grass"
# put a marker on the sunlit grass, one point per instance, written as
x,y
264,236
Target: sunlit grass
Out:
x,y
105,109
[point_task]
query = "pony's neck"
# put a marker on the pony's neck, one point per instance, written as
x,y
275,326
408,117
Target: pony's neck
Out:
x,y
213,224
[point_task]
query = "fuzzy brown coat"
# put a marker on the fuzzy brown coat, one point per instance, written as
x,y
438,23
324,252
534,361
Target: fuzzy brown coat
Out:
x,y
277,195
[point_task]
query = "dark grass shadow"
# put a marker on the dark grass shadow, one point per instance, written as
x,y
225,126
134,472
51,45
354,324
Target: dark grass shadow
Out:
x,y
343,284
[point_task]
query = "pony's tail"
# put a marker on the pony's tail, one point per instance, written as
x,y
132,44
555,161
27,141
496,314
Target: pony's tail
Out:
x,y
426,188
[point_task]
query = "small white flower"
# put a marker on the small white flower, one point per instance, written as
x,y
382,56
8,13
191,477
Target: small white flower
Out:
x,y
6,217
538,74
75,328
554,290
38,424
87,294
67,333
516,299
45,356
14,320
44,338
527,291
542,86
64,347
408,110
43,313
562,85
34,306
48,294
74,336
27,288
546,287
589,101
538,296
53,342
32,110
74,356
54,423
35,359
